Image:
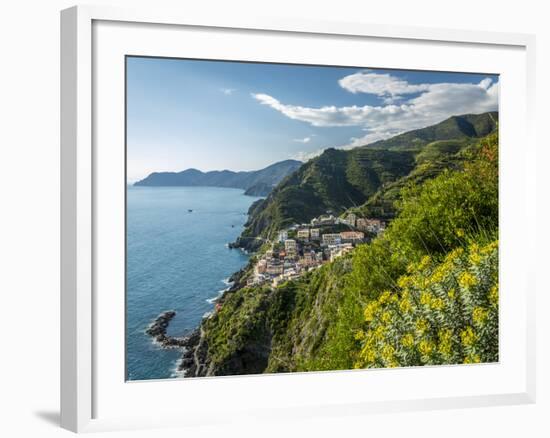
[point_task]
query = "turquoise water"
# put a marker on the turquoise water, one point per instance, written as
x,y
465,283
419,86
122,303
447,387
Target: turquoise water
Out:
x,y
178,260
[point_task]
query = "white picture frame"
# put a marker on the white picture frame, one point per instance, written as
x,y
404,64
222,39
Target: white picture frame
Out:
x,y
82,368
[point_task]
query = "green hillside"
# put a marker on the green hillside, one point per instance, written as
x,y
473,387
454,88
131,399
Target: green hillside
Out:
x,y
367,179
334,181
432,159
424,292
454,128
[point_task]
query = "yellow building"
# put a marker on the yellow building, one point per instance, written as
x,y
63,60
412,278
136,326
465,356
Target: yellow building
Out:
x,y
290,245
303,234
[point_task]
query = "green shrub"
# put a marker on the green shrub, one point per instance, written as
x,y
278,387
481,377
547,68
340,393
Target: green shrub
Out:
x,y
442,313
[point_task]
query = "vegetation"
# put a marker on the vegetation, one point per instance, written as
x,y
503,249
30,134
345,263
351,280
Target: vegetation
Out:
x,y
441,313
334,181
425,292
367,179
454,128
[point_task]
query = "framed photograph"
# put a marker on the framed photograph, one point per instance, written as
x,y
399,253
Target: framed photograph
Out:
x,y
252,209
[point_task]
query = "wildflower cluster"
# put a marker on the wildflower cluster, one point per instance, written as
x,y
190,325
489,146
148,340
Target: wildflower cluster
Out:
x,y
441,313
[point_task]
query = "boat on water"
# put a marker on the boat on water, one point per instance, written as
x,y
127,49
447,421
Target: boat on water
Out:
x,y
190,211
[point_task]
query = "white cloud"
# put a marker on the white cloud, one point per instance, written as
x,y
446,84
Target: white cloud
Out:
x,y
324,116
380,84
485,83
228,91
435,103
302,140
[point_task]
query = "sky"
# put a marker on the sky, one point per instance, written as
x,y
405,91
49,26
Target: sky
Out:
x,y
215,115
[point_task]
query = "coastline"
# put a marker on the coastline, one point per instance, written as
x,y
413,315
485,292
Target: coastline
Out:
x,y
192,362
156,355
193,359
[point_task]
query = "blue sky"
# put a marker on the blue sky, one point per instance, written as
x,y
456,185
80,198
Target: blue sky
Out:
x,y
214,115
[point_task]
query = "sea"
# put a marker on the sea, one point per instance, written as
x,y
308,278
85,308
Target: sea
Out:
x,y
177,258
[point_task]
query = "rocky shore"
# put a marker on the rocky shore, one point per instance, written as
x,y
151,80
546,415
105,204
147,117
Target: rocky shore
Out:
x,y
248,244
193,346
195,355
194,360
157,330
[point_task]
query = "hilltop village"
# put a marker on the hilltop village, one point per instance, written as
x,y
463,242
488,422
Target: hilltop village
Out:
x,y
301,248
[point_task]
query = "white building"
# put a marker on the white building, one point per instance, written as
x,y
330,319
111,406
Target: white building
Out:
x,y
303,234
283,235
314,234
331,239
290,245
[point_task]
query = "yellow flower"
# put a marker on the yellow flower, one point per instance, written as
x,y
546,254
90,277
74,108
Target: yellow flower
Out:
x,y
454,254
387,353
368,354
475,258
405,305
437,304
407,340
472,358
421,282
468,336
460,232
451,294
445,336
422,326
493,295
438,275
467,280
425,298
360,335
369,340
384,297
425,347
404,281
487,249
424,263
386,317
370,310
479,315
378,333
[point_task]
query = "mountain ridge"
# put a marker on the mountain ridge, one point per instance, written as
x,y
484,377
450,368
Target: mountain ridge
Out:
x,y
255,183
452,128
338,180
